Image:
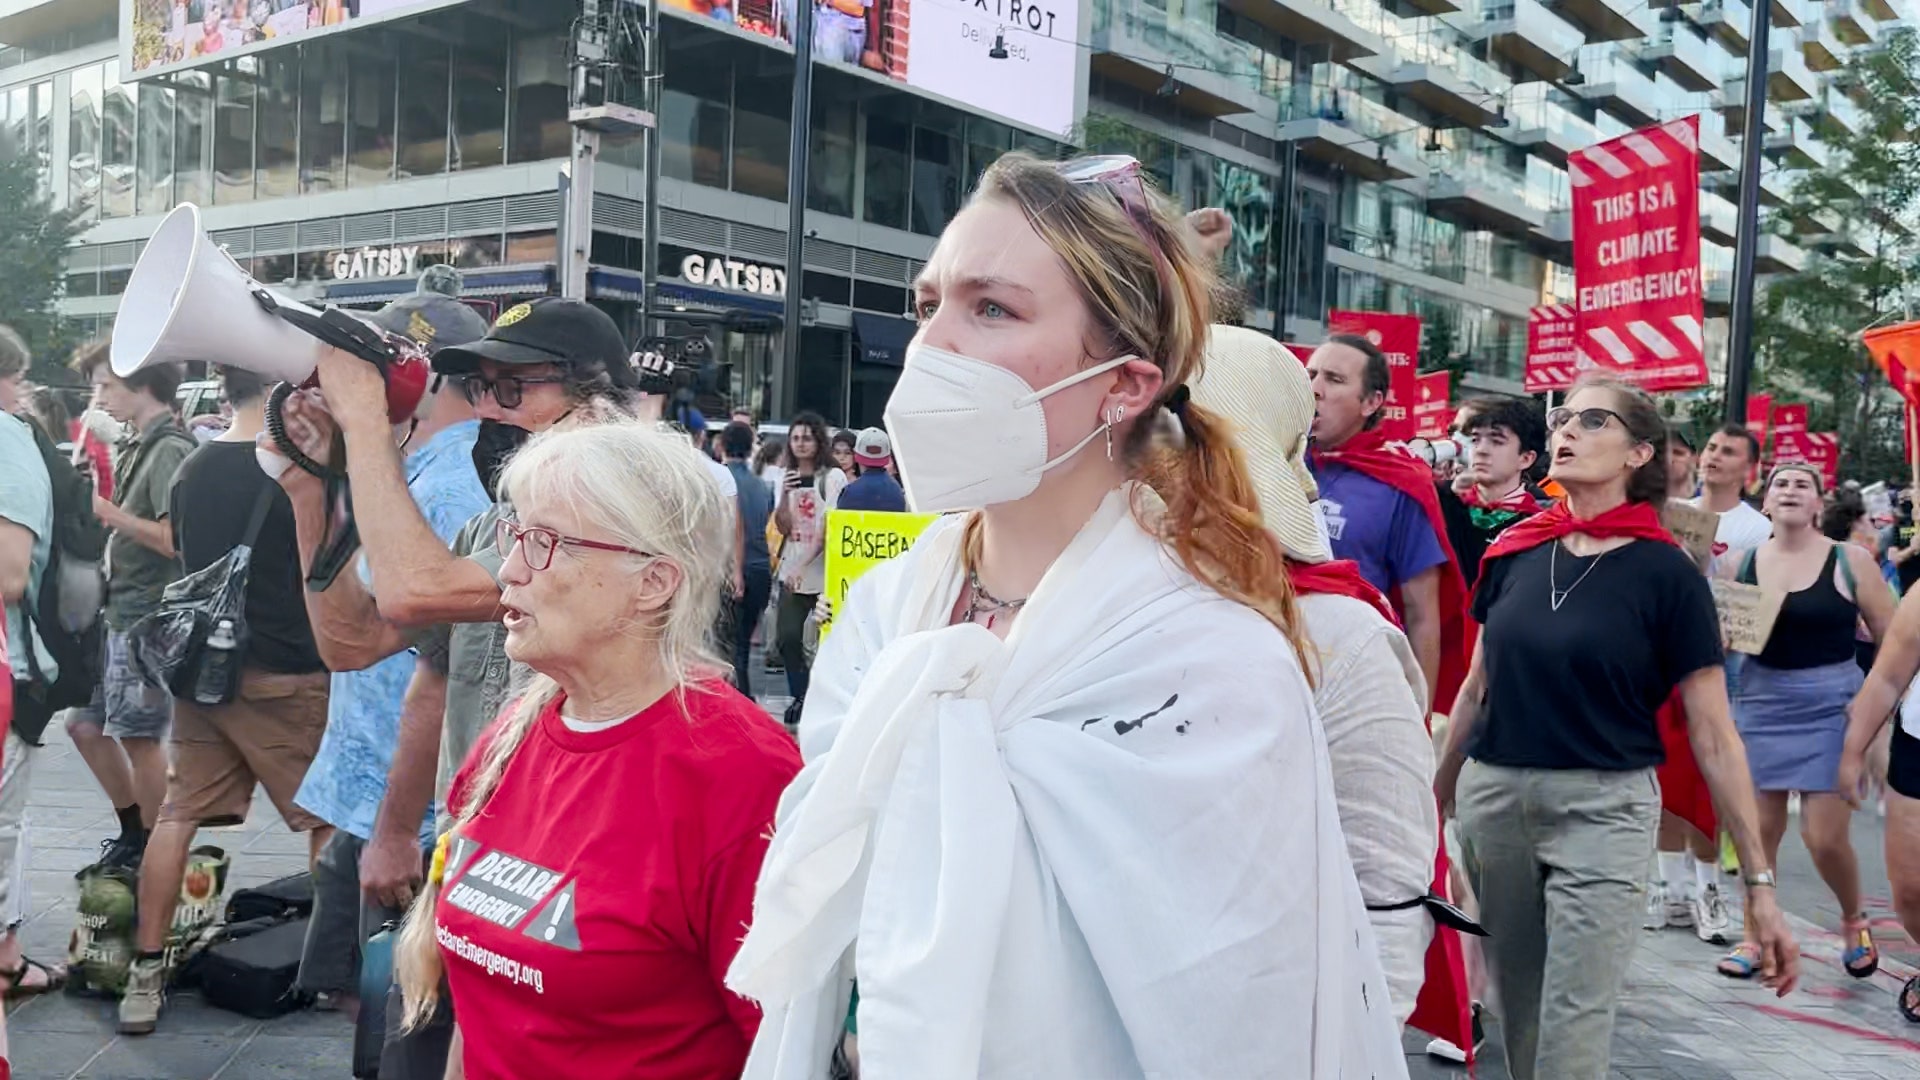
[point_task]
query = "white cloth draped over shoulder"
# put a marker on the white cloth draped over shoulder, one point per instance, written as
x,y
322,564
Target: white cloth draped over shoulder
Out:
x,y
1107,847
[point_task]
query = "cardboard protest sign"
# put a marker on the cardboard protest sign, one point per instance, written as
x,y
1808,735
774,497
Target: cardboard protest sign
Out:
x,y
859,540
1747,613
1694,528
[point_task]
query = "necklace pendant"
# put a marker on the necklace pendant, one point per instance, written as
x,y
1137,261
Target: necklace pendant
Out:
x,y
990,619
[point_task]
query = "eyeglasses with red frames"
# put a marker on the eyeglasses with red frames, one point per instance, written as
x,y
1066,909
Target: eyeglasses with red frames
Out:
x,y
537,543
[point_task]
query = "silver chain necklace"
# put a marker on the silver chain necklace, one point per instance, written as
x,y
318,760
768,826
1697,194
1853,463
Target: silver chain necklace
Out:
x,y
981,602
1555,594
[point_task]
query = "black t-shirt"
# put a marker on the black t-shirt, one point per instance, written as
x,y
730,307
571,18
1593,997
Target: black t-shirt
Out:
x,y
213,497
1580,688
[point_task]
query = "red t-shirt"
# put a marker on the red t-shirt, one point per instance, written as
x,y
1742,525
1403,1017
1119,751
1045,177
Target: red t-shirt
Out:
x,y
589,914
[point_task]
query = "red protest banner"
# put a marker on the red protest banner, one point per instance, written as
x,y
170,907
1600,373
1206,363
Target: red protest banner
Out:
x,y
1302,352
1759,411
1823,449
1399,337
1431,414
1790,434
1550,358
1636,255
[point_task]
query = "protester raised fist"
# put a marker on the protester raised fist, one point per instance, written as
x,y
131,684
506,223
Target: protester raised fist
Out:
x,y
1213,228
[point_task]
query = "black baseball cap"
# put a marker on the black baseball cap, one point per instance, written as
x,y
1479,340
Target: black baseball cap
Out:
x,y
433,321
550,330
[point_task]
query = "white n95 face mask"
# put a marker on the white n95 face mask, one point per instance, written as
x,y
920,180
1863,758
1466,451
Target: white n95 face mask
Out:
x,y
969,434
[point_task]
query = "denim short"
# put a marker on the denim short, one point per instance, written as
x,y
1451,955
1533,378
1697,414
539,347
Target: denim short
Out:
x,y
126,705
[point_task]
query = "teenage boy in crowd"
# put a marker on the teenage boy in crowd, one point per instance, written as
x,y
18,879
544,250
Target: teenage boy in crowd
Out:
x,y
121,736
271,729
1508,437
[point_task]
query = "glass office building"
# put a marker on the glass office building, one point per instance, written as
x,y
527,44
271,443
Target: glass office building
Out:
x,y
1406,156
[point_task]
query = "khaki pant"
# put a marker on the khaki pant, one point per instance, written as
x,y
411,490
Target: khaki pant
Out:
x,y
1558,858
269,733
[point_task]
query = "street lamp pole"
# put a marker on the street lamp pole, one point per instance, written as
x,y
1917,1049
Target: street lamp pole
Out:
x,y
798,146
1747,218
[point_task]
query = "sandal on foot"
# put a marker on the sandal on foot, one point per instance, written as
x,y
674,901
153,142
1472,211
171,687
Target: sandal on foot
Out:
x,y
1742,962
14,980
1909,1000
1861,959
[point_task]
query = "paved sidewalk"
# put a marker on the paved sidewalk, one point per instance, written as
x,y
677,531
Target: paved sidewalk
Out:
x,y
1678,1020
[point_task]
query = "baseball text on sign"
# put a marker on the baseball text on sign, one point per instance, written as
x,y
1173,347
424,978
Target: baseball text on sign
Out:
x,y
1550,355
859,540
1636,253
1398,336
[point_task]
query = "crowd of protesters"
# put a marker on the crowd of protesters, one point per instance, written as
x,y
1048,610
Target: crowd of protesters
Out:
x,y
1205,730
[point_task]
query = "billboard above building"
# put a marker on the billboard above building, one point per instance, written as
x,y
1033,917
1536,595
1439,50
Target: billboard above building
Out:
x,y
1019,59
158,36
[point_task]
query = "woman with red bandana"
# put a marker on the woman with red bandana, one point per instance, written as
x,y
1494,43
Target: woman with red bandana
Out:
x,y
1558,805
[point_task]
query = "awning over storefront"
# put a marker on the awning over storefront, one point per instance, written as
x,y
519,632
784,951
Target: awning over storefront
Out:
x,y
491,281
609,283
883,338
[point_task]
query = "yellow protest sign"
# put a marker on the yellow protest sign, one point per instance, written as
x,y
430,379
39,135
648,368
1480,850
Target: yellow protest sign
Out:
x,y
859,540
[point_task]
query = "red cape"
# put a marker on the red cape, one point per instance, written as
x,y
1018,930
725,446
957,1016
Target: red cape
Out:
x,y
1444,1007
1683,791
1368,454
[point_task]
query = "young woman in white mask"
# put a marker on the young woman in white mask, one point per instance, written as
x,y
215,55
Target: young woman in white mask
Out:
x,y
1067,810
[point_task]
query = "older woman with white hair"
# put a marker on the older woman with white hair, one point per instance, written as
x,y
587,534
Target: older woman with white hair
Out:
x,y
609,827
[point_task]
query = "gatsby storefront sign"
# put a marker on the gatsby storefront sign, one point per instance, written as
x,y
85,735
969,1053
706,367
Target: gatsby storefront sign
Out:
x,y
374,262
733,275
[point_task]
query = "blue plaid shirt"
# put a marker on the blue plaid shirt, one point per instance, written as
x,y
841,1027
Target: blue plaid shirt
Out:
x,y
348,778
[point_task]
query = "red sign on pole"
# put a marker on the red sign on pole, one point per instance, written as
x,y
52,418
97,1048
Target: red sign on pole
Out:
x,y
1636,255
1790,441
1431,413
1550,358
1399,337
1759,411
1823,449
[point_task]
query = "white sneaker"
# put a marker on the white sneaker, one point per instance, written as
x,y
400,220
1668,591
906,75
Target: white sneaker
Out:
x,y
1679,906
1710,921
1656,914
1446,1050
146,991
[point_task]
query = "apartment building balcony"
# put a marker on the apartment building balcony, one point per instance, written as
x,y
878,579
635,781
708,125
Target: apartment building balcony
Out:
x,y
1343,129
1716,292
1852,22
1538,43
1146,47
1719,218
1790,12
1888,10
1617,86
1778,255
1726,21
1554,238
1469,190
1546,129
32,20
1776,187
1689,60
1795,147
1822,47
1717,152
1429,64
1788,78
1348,29
1608,20
1836,114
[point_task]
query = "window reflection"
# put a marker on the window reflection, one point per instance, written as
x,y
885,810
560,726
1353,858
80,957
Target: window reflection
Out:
x,y
936,177
423,112
695,117
370,128
83,143
116,147
233,133
540,129
153,155
278,155
479,104
831,154
323,117
763,110
886,191
193,126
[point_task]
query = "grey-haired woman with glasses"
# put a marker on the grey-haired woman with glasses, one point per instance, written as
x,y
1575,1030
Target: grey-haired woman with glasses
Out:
x,y
1593,618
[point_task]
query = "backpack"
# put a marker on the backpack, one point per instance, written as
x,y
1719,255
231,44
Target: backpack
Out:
x,y
72,589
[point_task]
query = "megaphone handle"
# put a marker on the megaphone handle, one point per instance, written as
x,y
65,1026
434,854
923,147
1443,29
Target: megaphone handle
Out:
x,y
333,326
335,551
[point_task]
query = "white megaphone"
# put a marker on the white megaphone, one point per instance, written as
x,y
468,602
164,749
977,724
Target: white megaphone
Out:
x,y
188,300
1436,452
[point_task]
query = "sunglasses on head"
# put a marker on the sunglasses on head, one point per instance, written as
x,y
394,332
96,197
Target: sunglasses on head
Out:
x,y
1590,419
507,390
1122,175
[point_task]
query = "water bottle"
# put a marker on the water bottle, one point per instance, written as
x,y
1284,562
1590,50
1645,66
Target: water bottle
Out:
x,y
219,666
376,976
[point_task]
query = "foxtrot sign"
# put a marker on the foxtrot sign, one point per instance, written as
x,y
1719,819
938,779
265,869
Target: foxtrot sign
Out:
x,y
1636,255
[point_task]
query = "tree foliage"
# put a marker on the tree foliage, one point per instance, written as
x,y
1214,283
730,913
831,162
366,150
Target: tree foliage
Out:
x,y
1807,324
34,238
